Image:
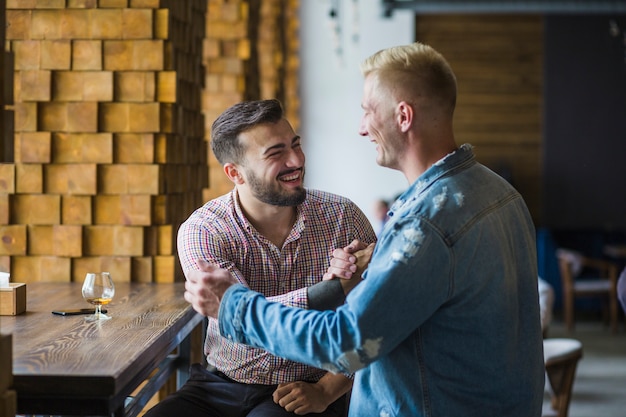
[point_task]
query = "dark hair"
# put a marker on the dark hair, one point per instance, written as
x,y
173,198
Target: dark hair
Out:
x,y
239,118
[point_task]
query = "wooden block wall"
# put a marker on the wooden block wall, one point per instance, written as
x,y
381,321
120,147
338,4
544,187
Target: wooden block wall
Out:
x,y
110,155
250,52
498,61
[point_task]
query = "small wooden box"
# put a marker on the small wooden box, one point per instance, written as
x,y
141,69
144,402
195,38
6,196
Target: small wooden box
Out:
x,y
13,299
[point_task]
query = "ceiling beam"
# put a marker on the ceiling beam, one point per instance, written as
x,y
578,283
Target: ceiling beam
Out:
x,y
510,6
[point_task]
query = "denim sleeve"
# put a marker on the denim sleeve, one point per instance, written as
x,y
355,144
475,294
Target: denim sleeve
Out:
x,y
402,287
297,334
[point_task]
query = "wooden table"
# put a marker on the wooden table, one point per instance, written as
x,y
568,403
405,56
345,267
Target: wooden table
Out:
x,y
65,365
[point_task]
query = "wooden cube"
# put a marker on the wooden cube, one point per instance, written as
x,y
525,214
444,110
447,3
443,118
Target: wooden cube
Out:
x,y
7,178
134,86
67,86
107,209
82,117
98,86
20,24
129,148
119,4
53,116
4,211
45,24
13,239
113,240
164,269
136,23
162,24
33,85
28,179
32,147
144,117
57,240
145,4
70,179
118,266
118,55
49,4
86,55
27,55
41,269
122,209
76,209
106,23
36,209
26,117
143,179
168,118
141,269
56,55
82,4
112,179
160,209
159,240
82,147
148,55
166,86
114,117
75,24
5,263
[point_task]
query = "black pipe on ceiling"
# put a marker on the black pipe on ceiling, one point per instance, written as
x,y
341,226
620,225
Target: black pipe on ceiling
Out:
x,y
511,6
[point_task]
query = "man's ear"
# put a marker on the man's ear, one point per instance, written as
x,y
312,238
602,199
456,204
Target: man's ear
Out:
x,y
232,172
404,116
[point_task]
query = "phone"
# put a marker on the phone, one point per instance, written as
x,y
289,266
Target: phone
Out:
x,y
74,312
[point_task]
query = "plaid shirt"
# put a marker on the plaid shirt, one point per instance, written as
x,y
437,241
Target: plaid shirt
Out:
x,y
220,233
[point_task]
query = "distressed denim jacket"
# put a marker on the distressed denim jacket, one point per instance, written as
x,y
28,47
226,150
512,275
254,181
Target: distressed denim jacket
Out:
x,y
446,321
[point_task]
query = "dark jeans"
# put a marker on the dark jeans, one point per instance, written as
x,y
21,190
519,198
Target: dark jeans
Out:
x,y
212,394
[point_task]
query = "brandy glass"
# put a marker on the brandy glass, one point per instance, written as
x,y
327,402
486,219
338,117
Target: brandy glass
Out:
x,y
98,289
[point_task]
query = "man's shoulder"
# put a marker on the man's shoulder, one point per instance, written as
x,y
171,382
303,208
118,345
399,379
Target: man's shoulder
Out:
x,y
213,211
324,197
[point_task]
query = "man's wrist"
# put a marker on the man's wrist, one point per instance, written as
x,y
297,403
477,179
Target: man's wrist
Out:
x,y
326,295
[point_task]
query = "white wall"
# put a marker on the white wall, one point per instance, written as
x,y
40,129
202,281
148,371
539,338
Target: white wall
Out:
x,y
338,159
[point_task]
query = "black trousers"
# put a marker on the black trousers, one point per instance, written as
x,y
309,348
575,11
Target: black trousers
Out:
x,y
212,394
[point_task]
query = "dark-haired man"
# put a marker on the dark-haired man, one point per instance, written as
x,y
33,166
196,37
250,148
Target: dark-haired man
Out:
x,y
276,237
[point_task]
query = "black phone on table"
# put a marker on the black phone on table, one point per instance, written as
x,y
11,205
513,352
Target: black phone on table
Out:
x,y
76,311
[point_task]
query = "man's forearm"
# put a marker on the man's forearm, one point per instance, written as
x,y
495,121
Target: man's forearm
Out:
x,y
335,385
326,295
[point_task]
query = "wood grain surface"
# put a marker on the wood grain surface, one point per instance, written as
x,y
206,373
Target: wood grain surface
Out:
x,y
65,359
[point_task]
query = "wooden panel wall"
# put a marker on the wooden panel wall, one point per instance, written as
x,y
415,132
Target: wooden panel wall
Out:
x,y
250,53
114,100
498,61
110,154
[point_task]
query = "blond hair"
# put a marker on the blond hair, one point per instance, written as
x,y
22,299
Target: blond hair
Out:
x,y
414,72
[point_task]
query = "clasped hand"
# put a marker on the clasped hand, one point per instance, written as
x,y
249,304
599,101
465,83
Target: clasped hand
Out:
x,y
348,264
206,286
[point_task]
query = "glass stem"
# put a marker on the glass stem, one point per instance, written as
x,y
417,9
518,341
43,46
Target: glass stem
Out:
x,y
98,310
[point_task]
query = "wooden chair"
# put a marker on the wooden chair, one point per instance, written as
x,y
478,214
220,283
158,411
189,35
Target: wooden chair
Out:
x,y
603,284
561,357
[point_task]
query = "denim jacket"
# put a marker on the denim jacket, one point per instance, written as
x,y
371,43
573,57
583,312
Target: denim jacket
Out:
x,y
446,321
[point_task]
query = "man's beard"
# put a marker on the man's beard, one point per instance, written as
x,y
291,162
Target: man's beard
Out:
x,y
270,193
